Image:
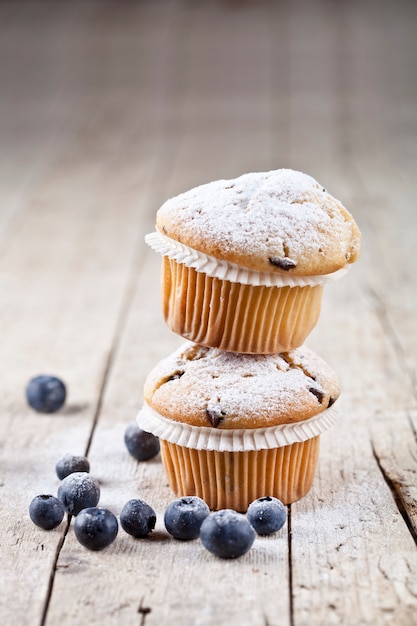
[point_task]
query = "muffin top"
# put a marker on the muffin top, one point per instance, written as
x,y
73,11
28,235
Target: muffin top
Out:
x,y
281,221
209,387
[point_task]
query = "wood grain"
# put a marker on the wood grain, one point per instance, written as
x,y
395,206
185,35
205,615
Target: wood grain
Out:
x,y
106,110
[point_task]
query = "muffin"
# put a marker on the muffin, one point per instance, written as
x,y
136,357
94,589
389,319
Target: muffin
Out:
x,y
235,427
245,260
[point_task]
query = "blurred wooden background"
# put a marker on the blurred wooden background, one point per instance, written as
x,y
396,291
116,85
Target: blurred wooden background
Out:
x,y
107,108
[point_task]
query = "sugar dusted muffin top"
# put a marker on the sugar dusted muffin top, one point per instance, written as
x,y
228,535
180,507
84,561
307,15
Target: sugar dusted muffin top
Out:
x,y
209,387
281,221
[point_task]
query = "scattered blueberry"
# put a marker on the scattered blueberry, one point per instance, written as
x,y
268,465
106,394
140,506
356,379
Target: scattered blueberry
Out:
x,y
46,394
140,444
227,534
78,491
96,528
70,464
46,511
137,518
266,515
184,516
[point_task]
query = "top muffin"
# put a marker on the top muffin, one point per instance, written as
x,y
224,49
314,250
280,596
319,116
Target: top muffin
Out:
x,y
281,221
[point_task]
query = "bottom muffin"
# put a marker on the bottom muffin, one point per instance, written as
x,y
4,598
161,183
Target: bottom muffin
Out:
x,y
237,427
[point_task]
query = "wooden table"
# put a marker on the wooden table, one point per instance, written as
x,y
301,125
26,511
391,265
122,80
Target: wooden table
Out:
x,y
109,108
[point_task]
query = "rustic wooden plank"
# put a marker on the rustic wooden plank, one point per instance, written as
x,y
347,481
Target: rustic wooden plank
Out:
x,y
61,335
348,533
395,448
64,282
353,559
390,186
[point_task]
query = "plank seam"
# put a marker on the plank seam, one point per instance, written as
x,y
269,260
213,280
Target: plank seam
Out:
x,y
290,573
53,571
395,488
109,362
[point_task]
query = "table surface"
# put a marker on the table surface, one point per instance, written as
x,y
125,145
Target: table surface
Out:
x,y
106,110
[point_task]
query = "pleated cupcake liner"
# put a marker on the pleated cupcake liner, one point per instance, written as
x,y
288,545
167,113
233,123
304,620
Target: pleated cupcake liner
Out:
x,y
237,317
225,270
232,480
234,440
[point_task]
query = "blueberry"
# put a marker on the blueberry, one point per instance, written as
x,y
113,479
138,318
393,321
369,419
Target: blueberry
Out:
x,y
266,515
184,516
70,464
46,394
78,491
140,444
46,511
137,518
96,528
227,534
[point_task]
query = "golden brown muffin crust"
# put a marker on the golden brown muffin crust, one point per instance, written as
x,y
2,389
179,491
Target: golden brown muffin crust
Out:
x,y
209,387
281,221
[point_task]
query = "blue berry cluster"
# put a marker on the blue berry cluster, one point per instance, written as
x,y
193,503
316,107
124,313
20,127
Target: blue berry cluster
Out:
x,y
226,533
78,495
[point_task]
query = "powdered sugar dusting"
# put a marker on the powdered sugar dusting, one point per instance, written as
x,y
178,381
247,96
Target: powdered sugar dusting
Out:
x,y
278,214
196,383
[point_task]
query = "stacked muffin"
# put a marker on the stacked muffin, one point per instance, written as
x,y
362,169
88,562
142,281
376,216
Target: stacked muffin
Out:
x,y
240,407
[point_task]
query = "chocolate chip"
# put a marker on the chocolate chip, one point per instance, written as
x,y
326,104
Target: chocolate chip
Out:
x,y
316,392
175,376
284,263
215,416
331,401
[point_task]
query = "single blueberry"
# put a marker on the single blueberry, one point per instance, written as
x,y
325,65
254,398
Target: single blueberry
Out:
x,y
46,511
184,516
96,528
227,534
137,518
46,394
78,491
140,444
266,515
70,464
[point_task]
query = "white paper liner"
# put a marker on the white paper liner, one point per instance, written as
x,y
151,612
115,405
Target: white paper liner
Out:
x,y
225,270
234,440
